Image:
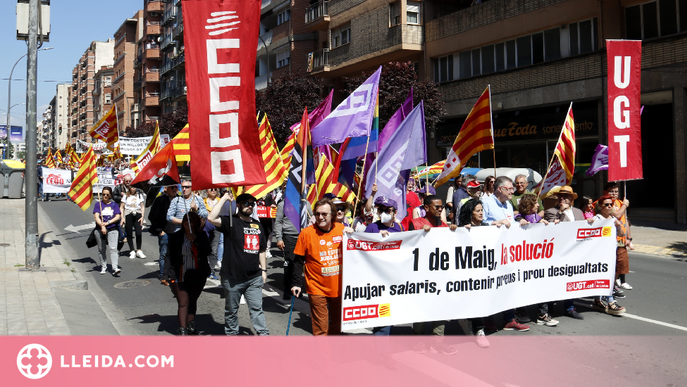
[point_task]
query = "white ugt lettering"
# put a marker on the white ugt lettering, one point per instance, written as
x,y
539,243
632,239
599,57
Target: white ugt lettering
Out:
x,y
621,112
622,142
621,76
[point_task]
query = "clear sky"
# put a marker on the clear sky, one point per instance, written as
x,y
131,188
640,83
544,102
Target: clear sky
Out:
x,y
74,24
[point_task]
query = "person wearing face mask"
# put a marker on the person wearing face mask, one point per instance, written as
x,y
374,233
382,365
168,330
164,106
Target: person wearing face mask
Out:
x,y
386,211
189,249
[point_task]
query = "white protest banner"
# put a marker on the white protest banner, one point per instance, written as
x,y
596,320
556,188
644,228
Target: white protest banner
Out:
x,y
107,179
56,180
128,145
444,275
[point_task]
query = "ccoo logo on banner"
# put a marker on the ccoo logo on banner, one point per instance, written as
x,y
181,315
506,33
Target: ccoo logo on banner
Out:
x,y
444,275
220,39
56,180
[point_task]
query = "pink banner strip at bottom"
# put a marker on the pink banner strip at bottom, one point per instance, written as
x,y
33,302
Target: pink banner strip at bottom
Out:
x,y
343,361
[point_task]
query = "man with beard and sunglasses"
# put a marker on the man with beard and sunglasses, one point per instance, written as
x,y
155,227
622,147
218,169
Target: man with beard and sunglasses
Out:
x,y
244,266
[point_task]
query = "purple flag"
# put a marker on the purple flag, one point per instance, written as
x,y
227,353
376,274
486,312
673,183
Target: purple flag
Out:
x,y
405,149
396,120
318,114
352,118
599,160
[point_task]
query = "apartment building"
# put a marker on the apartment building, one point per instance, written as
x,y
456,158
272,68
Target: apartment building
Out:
x,y
172,72
284,41
81,112
44,129
148,62
102,92
538,56
123,84
59,107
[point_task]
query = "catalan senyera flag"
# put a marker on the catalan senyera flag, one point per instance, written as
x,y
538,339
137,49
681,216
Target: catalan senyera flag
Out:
x,y
275,172
327,183
475,135
150,150
58,156
182,146
562,166
107,129
288,148
49,159
81,190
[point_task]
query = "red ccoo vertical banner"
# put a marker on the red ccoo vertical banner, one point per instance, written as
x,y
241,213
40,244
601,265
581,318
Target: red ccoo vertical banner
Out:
x,y
624,106
221,39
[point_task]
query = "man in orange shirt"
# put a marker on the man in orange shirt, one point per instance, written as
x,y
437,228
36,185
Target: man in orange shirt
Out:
x,y
620,207
320,249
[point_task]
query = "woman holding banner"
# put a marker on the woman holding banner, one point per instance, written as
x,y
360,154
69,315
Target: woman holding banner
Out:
x,y
605,210
472,215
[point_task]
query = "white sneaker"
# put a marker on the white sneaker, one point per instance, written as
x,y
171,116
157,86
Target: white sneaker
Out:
x,y
103,269
481,339
625,285
268,254
140,254
116,271
132,254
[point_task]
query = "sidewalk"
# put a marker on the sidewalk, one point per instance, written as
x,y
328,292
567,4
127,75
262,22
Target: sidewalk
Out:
x,y
662,240
53,300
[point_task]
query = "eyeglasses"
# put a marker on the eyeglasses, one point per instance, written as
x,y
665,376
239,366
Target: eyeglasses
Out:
x,y
106,194
127,182
248,204
607,204
509,189
521,183
186,186
340,209
321,214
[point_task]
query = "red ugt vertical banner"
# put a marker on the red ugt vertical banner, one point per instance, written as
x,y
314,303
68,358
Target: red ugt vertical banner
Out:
x,y
221,39
624,106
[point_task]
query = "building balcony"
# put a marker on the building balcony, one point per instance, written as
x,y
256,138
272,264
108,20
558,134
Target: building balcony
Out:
x,y
400,43
318,61
152,100
169,16
153,28
167,41
152,76
263,81
317,16
265,39
138,61
152,53
172,63
173,90
154,6
178,29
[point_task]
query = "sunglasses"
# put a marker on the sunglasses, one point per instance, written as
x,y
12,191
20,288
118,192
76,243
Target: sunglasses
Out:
x,y
106,194
340,209
185,186
321,214
248,204
607,204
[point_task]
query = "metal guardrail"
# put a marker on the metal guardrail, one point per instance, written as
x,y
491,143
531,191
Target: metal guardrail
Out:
x,y
316,11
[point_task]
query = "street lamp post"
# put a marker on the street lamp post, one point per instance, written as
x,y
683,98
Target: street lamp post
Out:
x,y
9,97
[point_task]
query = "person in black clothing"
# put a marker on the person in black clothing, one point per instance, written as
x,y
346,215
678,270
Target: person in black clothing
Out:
x,y
160,228
189,250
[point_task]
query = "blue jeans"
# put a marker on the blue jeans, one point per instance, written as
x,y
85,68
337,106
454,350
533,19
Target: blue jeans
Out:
x,y
163,242
252,291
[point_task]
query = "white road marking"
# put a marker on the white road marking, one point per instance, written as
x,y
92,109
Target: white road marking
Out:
x,y
151,263
76,229
665,324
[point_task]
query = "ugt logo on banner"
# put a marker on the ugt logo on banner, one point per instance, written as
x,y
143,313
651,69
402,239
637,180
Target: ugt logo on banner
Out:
x,y
220,39
624,121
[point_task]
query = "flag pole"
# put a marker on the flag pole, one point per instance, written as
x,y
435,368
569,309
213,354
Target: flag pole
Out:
x,y
560,135
362,177
491,123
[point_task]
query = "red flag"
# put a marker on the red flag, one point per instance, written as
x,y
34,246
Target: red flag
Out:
x,y
160,169
624,105
220,39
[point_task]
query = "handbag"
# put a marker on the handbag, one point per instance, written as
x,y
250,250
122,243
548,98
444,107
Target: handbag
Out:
x,y
91,241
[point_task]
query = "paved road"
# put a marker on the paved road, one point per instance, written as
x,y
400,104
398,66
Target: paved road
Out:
x,y
655,307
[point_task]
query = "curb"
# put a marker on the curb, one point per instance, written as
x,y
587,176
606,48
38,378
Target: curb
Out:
x,y
660,251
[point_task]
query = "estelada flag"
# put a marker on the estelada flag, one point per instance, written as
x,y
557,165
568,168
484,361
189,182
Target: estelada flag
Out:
x,y
81,190
220,39
562,166
150,150
106,129
475,135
